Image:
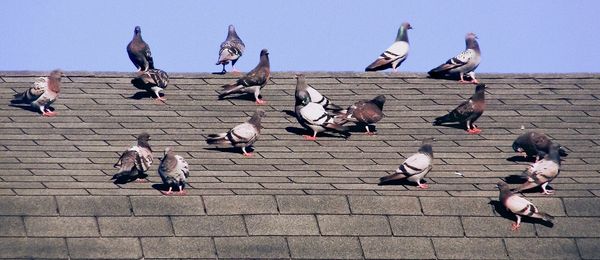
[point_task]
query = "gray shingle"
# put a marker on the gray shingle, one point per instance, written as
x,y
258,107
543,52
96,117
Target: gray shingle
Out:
x,y
315,247
252,247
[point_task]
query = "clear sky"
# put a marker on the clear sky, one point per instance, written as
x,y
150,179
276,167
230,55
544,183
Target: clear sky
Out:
x,y
308,35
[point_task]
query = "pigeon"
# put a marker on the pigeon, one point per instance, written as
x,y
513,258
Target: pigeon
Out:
x,y
313,116
395,54
173,171
242,135
43,92
366,112
519,206
467,112
253,81
534,144
543,171
415,167
464,63
315,96
135,161
153,81
231,49
139,51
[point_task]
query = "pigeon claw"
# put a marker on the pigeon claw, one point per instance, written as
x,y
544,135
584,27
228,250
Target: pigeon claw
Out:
x,y
423,186
166,193
515,227
261,102
141,180
474,131
49,113
181,193
475,81
464,81
310,138
548,192
248,154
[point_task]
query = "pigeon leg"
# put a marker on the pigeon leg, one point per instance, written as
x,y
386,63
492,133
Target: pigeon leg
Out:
x,y
224,71
473,79
169,192
311,138
181,192
159,97
462,80
140,180
422,185
46,112
260,102
546,191
246,154
516,225
368,131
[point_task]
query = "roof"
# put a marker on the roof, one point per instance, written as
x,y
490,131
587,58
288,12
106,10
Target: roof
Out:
x,y
294,198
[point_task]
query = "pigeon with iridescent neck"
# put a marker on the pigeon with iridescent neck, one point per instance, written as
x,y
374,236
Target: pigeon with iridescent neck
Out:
x,y
315,96
542,172
253,81
41,94
231,49
173,171
313,116
519,206
393,56
139,51
464,63
467,112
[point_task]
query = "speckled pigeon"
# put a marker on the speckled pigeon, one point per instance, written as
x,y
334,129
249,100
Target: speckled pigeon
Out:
x,y
135,161
543,171
153,81
519,206
173,171
315,96
139,51
313,116
231,49
464,63
43,92
415,167
467,112
253,81
395,54
242,135
534,144
366,112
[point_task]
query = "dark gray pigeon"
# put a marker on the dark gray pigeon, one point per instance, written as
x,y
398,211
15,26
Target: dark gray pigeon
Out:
x,y
415,167
253,81
366,112
467,112
173,171
464,63
242,135
43,92
536,144
313,116
315,96
231,49
543,172
135,161
519,206
139,51
393,56
153,81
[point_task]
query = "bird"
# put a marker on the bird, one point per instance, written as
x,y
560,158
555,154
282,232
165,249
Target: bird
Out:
x,y
243,135
43,92
253,81
397,53
366,112
135,161
313,116
153,81
315,96
173,171
139,51
519,206
542,172
464,63
467,112
415,167
536,144
231,49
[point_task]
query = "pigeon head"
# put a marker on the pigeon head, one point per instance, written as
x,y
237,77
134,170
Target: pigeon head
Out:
x,y
54,80
403,32
137,30
480,88
231,28
471,36
256,118
168,151
471,41
302,98
143,139
300,82
426,147
264,52
379,101
554,153
502,186
406,25
517,147
56,74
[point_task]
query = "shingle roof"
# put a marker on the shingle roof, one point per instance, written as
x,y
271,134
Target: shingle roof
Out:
x,y
294,198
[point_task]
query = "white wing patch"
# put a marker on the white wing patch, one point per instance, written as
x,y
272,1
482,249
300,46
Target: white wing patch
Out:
x,y
313,114
465,56
419,161
516,204
397,50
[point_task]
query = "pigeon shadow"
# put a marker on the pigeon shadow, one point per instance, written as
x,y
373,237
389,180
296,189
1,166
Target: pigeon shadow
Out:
x,y
28,107
450,76
230,149
515,179
503,212
289,112
404,182
360,128
124,179
242,96
141,95
302,131
519,158
219,73
454,125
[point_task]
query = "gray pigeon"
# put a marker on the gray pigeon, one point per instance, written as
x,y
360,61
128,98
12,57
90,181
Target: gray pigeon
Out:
x,y
415,167
464,63
231,49
534,144
366,112
173,171
153,81
543,171
313,116
42,93
139,51
467,112
519,206
315,96
135,161
395,54
242,135
253,81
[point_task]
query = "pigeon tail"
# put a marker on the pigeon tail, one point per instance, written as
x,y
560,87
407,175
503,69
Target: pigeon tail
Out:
x,y
436,73
443,119
217,139
562,152
544,216
19,98
391,177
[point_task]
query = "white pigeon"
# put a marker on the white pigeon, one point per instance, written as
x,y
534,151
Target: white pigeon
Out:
x,y
42,93
242,135
313,116
135,161
173,171
519,206
393,56
315,96
464,63
415,167
543,171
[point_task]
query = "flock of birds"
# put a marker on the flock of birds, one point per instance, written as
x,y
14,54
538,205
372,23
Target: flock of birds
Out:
x,y
316,113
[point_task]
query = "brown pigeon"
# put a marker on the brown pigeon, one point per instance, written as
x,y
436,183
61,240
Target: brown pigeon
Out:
x,y
467,112
153,81
543,172
253,81
242,135
415,167
534,144
519,206
231,49
42,94
464,63
395,54
173,171
139,51
366,112
135,161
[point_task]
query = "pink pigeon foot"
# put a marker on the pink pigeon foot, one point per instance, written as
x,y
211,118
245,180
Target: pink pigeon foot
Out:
x,y
248,154
370,133
474,131
261,102
475,81
515,227
464,81
182,193
310,138
423,186
141,180
167,193
49,113
548,192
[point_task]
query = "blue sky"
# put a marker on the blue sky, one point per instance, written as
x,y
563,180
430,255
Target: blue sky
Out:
x,y
311,35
